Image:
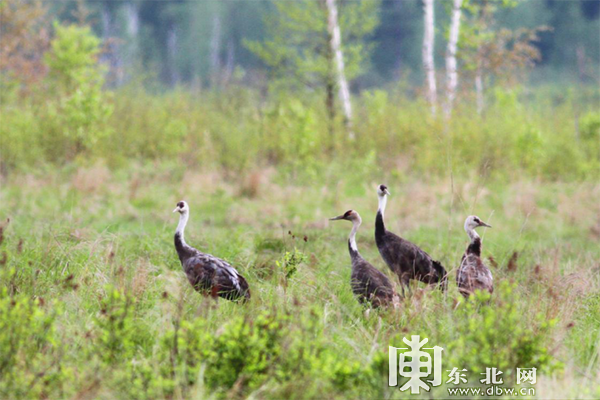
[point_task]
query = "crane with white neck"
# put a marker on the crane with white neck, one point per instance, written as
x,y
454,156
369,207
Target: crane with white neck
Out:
x,y
206,273
369,284
407,260
473,274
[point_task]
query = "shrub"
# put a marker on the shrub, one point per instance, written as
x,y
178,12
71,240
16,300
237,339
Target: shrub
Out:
x,y
494,333
115,329
81,109
30,356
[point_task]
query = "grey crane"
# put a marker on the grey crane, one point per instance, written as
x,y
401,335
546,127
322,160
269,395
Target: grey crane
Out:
x,y
206,273
369,284
405,259
473,274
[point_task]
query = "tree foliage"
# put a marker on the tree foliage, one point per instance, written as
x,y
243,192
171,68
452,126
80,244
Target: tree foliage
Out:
x,y
297,47
24,37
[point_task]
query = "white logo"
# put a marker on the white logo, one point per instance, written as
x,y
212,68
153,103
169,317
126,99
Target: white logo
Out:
x,y
457,376
491,376
525,375
414,360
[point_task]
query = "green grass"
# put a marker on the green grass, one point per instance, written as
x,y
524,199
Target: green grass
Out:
x,y
92,251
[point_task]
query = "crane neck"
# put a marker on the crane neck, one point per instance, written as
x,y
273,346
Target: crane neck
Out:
x,y
382,204
475,244
379,224
471,234
179,232
352,238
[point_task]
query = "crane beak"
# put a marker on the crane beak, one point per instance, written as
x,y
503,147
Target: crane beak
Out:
x,y
176,209
484,224
387,192
336,218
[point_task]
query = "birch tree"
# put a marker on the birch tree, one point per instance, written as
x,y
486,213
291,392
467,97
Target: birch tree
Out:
x,y
451,69
303,48
490,54
215,49
428,60
335,41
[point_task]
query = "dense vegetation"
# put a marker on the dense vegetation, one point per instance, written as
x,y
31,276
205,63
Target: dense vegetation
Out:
x,y
93,301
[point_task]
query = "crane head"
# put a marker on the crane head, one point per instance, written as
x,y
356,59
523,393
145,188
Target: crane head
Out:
x,y
349,215
382,190
473,222
182,207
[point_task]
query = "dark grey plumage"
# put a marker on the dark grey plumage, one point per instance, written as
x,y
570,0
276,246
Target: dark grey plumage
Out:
x,y
405,259
473,274
206,273
368,284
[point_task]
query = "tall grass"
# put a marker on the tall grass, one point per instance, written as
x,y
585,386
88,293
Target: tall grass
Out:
x,y
518,134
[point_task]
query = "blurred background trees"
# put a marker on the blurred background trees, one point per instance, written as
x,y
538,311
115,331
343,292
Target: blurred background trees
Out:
x,y
188,42
269,82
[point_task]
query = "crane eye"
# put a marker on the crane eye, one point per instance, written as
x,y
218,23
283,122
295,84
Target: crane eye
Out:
x,y
180,204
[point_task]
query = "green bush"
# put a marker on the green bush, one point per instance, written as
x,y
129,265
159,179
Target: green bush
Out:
x,y
30,350
79,109
491,331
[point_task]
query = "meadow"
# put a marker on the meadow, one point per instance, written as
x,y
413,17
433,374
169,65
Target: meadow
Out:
x,y
95,303
93,299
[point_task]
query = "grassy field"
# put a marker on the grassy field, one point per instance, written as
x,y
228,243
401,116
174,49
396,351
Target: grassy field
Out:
x,y
94,303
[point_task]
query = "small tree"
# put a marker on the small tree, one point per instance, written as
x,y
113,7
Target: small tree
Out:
x,y
300,52
76,77
492,53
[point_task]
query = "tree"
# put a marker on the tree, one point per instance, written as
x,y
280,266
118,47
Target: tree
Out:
x,y
335,40
24,36
79,104
428,46
489,52
299,49
451,69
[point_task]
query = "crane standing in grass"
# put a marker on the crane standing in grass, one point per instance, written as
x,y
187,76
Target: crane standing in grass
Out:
x,y
472,273
206,273
404,258
369,284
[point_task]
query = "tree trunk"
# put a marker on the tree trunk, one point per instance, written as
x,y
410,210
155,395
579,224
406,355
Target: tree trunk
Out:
x,y
428,61
131,52
335,36
330,104
110,56
172,73
215,50
451,72
479,87
580,52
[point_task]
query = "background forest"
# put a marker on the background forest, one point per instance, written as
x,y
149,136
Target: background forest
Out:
x,y
269,117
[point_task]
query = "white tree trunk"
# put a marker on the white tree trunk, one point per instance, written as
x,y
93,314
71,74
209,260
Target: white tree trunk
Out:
x,y
172,44
479,88
428,61
229,63
336,48
215,50
130,50
451,73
